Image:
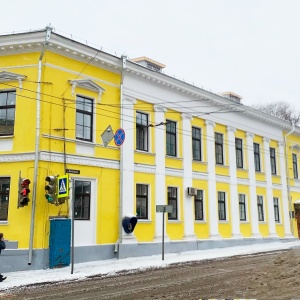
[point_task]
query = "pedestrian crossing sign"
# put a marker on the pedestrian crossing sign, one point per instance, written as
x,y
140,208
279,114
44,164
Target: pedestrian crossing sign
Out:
x,y
63,186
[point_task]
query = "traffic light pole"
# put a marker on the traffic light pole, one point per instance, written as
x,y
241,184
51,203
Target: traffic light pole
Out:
x,y
72,225
37,141
163,237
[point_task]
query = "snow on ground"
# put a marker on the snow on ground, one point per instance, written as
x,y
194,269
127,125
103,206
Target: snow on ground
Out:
x,y
111,266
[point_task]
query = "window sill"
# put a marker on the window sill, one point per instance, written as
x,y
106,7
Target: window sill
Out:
x,y
4,222
200,222
245,222
144,152
174,157
222,166
200,162
85,143
174,221
260,173
224,222
276,176
144,221
6,136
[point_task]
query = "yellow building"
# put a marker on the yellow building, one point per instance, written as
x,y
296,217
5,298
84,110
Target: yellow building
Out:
x,y
132,139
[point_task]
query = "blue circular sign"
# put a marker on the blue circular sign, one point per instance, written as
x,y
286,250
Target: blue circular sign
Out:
x,y
119,137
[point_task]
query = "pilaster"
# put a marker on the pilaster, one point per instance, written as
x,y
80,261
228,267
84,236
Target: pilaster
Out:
x,y
234,201
284,191
252,186
212,192
189,232
160,177
269,200
127,161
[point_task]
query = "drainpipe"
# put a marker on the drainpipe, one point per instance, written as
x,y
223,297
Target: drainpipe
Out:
x,y
288,178
119,241
37,140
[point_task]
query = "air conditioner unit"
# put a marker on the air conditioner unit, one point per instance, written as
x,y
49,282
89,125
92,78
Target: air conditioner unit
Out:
x,y
191,191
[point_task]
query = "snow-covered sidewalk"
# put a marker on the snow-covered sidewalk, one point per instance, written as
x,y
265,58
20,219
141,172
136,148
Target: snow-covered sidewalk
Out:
x,y
112,266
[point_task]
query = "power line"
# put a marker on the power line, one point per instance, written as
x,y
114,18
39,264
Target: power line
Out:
x,y
179,130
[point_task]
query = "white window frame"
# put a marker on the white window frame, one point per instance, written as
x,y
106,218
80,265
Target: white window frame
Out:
x,y
149,201
178,203
176,137
263,206
226,206
203,206
279,214
148,132
246,207
86,229
94,114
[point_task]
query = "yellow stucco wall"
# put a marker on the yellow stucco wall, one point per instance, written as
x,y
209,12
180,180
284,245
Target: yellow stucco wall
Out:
x,y
56,93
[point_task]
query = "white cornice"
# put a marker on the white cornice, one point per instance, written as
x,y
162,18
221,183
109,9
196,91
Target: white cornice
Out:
x,y
174,172
159,108
17,157
144,168
59,158
80,160
33,42
200,176
220,178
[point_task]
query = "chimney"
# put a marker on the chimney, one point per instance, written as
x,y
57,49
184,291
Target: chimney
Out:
x,y
232,96
149,63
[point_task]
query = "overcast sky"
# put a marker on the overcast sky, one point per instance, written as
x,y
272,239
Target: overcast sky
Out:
x,y
249,47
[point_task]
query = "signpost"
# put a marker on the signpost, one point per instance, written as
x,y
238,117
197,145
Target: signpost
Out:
x,y
107,135
164,209
119,137
72,171
72,225
63,186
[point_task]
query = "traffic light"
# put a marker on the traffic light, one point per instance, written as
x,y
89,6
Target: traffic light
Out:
x,y
51,189
23,192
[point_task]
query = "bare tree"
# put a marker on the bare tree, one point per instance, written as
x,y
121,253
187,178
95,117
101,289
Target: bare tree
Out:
x,y
281,110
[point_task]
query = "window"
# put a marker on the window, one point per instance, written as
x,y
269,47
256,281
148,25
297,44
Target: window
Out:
x,y
219,148
273,160
141,131
295,165
260,207
242,204
7,112
142,201
4,197
256,157
239,153
82,200
199,206
222,206
84,119
172,200
171,138
276,209
196,138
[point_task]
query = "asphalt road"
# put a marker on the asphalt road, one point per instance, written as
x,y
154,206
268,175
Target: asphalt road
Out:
x,y
272,275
